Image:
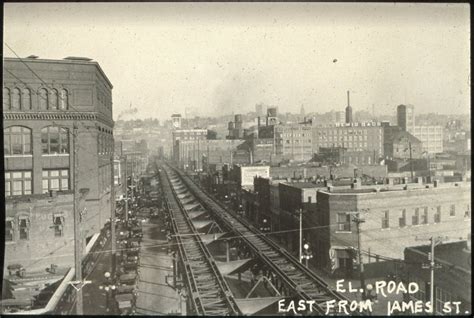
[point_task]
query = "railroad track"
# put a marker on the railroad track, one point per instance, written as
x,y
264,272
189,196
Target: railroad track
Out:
x,y
210,294
306,284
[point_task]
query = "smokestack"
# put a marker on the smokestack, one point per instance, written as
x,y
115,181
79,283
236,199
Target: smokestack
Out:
x,y
348,110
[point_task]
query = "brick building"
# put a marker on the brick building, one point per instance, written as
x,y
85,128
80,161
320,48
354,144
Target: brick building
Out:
x,y
394,216
42,101
187,146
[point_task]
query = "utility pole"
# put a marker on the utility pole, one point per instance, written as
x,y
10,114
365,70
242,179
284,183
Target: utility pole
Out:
x,y
112,213
411,161
432,266
126,190
358,220
301,236
77,228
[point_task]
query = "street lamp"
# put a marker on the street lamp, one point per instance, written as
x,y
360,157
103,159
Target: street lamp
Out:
x,y
308,254
109,288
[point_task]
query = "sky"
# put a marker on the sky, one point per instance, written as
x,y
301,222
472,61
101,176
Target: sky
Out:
x,y
222,58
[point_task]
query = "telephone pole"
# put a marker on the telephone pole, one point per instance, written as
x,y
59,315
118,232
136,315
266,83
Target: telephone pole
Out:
x,y
126,190
301,235
112,213
432,265
357,219
411,161
77,228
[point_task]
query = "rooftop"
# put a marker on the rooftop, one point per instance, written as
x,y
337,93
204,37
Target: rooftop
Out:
x,y
32,59
453,253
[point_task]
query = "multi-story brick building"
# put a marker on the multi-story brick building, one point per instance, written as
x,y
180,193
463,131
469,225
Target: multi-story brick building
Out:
x,y
294,141
394,217
183,151
42,102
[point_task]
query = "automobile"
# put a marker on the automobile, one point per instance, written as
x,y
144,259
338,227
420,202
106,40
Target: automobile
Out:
x,y
125,303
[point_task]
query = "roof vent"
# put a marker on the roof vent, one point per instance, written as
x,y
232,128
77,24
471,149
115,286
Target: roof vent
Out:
x,y
32,57
77,58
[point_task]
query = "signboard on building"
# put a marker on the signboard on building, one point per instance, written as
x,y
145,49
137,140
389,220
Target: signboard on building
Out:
x,y
248,173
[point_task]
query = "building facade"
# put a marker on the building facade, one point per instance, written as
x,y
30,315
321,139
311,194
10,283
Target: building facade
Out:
x,y
406,117
431,138
394,216
46,103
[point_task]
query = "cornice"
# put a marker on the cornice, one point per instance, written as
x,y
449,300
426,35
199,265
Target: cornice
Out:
x,y
90,116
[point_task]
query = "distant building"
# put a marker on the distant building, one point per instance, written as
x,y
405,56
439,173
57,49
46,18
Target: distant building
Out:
x,y
180,135
394,216
294,141
39,119
406,117
259,109
176,121
452,279
431,138
402,145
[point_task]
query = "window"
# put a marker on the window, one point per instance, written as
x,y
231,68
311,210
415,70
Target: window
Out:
x,y
17,141
57,180
43,99
402,220
424,216
54,100
26,99
437,216
468,212
63,103
452,210
17,183
9,230
415,218
16,99
24,227
6,98
58,224
55,140
385,220
343,222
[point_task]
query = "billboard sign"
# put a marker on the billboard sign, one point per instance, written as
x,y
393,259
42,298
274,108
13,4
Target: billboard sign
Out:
x,y
248,173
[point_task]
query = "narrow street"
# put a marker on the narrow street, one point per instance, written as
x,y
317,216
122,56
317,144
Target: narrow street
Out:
x,y
155,297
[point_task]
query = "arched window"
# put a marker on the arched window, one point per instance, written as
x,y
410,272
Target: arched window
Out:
x,y
54,140
43,99
63,102
17,140
6,98
16,99
54,100
26,99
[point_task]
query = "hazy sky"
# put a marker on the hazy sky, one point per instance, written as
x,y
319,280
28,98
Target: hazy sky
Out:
x,y
224,57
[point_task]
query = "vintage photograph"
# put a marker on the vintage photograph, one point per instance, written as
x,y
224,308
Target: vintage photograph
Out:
x,y
236,159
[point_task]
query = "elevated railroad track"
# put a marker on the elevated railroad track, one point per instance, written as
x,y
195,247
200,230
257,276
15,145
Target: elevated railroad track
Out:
x,y
303,283
210,294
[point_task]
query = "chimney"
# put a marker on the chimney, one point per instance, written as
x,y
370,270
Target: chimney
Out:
x,y
435,183
420,180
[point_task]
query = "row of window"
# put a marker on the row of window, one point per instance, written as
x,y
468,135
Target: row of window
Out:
x,y
344,219
19,228
54,140
20,182
17,140
20,99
